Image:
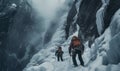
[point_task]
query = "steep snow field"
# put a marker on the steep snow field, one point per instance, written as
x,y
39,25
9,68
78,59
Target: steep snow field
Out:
x,y
45,60
102,56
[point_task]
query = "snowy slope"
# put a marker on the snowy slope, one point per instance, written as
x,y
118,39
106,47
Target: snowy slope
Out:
x,y
101,57
46,61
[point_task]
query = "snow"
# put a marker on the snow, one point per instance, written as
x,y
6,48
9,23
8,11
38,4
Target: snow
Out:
x,y
104,54
93,57
108,43
13,5
46,61
100,16
44,67
72,27
114,45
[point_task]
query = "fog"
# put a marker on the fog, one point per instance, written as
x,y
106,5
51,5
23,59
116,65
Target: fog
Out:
x,y
48,15
48,10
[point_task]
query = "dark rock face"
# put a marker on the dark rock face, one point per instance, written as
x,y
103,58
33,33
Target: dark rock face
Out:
x,y
87,18
15,24
6,18
71,15
17,45
113,6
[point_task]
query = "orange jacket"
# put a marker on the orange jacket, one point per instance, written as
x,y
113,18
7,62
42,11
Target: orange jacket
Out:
x,y
75,43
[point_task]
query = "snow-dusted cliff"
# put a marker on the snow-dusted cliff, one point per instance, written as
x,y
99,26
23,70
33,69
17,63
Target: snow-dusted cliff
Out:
x,y
31,30
102,56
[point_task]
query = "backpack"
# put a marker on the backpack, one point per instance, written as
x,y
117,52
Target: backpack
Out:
x,y
76,42
77,45
58,53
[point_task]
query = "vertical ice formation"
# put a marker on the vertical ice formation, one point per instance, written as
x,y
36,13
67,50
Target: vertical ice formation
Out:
x,y
100,15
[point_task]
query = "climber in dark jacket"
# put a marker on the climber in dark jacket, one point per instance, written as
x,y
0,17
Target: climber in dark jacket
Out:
x,y
76,48
59,54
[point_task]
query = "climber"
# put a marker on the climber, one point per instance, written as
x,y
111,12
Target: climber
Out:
x,y
76,48
59,53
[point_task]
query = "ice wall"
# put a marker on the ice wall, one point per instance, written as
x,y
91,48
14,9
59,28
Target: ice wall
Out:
x,y
100,16
114,45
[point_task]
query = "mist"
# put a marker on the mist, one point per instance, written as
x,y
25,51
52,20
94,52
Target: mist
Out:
x,y
48,10
48,16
